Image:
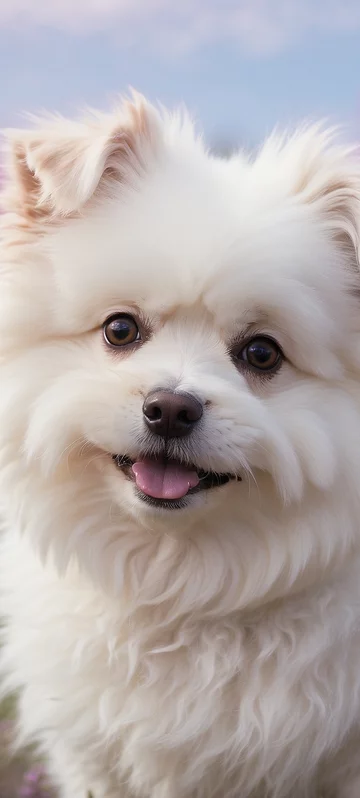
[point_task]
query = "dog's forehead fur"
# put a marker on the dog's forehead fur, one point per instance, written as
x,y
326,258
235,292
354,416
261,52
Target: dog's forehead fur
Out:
x,y
192,225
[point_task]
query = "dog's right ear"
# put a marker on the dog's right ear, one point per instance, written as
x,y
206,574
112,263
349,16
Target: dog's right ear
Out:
x,y
55,169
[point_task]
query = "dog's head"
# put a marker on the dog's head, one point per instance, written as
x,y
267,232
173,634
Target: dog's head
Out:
x,y
180,333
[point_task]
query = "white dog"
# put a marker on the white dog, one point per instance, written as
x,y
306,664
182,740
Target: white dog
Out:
x,y
180,459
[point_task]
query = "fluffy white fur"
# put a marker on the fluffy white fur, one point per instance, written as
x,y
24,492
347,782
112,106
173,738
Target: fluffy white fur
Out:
x,y
212,652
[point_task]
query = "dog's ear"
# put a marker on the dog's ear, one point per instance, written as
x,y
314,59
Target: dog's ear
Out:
x,y
339,202
56,168
330,180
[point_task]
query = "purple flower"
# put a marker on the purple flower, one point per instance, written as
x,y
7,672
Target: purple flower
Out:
x,y
35,784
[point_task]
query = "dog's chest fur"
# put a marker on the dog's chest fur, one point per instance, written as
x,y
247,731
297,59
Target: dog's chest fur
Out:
x,y
239,701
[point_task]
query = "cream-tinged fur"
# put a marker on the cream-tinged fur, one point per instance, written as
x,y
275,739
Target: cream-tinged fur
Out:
x,y
212,652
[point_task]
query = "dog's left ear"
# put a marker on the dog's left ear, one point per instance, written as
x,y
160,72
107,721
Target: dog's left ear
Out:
x,y
55,170
330,180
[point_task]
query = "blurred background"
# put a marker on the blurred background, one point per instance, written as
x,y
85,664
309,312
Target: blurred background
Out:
x,y
241,66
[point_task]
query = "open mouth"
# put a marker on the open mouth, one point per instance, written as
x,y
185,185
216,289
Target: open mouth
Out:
x,y
168,483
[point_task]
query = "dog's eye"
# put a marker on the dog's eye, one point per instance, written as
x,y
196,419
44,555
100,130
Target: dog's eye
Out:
x,y
261,354
121,330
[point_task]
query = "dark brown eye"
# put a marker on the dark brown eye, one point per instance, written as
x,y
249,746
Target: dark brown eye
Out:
x,y
121,330
262,354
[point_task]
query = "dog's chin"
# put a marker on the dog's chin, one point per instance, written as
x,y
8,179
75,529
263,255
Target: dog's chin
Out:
x,y
161,485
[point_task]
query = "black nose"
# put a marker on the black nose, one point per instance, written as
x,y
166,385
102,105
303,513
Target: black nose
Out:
x,y
172,415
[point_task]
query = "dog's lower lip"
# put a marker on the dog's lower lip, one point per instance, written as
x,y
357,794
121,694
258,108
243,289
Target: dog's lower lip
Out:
x,y
207,481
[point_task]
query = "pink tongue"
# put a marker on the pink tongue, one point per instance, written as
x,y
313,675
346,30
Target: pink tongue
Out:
x,y
164,480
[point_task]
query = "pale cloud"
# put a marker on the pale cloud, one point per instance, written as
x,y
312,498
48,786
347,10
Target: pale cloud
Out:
x,y
259,27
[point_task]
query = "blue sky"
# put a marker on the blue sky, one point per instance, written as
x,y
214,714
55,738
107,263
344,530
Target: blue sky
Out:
x,y
241,69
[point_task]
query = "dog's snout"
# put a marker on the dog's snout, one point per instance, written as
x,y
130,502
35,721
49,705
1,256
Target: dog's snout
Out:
x,y
171,415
